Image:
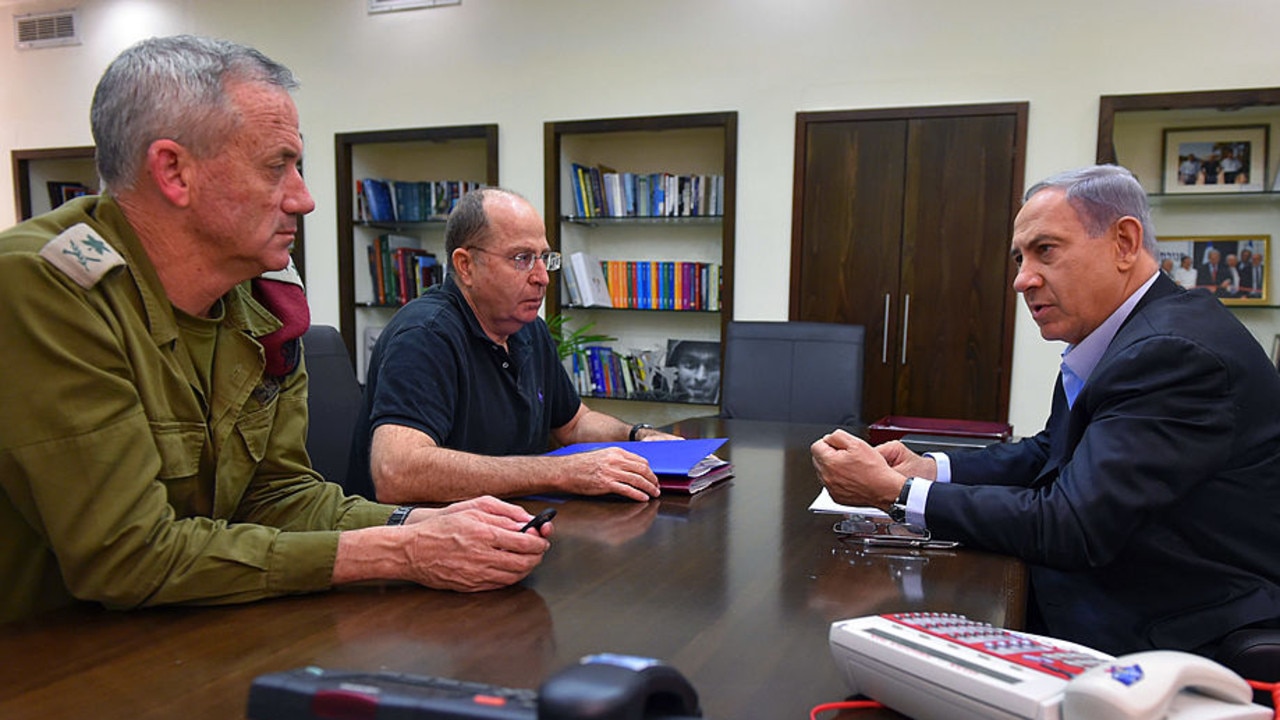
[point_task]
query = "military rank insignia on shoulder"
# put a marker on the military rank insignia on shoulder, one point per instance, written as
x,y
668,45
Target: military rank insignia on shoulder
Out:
x,y
81,255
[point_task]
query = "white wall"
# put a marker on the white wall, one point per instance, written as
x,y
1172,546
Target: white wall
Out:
x,y
519,63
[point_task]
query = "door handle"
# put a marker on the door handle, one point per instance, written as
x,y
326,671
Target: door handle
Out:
x,y
884,341
906,319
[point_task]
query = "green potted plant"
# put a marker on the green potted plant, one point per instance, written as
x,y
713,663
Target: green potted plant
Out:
x,y
574,341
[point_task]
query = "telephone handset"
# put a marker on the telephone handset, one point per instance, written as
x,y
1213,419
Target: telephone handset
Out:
x,y
946,666
600,687
1143,686
617,687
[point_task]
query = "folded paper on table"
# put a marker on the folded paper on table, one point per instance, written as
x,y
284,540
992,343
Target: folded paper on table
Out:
x,y
681,465
824,503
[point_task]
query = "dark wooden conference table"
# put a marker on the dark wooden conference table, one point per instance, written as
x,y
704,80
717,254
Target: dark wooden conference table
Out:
x,y
735,587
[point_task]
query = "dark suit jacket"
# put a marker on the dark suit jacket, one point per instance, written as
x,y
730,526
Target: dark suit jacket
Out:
x,y
1150,511
1205,277
1251,278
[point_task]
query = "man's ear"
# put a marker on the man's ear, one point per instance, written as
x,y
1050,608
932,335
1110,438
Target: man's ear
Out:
x,y
1128,239
462,266
169,164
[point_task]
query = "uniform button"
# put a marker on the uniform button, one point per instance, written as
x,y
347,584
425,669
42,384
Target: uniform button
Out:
x,y
505,366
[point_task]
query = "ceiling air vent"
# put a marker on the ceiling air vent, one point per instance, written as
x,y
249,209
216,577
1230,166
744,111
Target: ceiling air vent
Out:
x,y
46,29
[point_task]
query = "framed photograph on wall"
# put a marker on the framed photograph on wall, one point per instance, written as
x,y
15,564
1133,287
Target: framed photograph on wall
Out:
x,y
1232,267
1215,160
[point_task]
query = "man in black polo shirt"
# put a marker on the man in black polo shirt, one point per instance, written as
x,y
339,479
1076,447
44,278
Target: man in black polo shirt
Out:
x,y
465,384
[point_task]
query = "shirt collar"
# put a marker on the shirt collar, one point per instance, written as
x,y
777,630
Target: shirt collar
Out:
x,y
1083,357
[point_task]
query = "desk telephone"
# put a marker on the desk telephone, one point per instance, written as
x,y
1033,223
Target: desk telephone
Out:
x,y
600,687
946,667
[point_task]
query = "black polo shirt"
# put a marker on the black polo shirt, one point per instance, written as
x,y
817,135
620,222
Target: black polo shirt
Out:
x,y
433,369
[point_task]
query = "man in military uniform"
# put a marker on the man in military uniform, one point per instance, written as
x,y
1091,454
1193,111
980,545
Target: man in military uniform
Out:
x,y
154,451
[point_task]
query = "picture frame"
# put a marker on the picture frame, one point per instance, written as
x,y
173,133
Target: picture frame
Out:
x,y
1206,160
71,192
693,371
62,191
1244,280
382,6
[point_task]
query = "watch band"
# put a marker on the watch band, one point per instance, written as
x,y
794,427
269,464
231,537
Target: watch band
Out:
x,y
399,515
898,510
637,428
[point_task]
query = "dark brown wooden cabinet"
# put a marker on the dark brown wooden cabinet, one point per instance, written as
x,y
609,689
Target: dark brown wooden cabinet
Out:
x,y
902,222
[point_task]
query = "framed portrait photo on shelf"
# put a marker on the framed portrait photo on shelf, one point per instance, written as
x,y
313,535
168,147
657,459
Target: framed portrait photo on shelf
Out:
x,y
690,372
1215,160
1232,267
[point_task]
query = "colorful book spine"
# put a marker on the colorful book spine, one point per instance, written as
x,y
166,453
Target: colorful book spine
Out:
x,y
600,191
596,369
655,284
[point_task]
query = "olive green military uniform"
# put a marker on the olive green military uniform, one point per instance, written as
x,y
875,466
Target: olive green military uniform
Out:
x,y
123,481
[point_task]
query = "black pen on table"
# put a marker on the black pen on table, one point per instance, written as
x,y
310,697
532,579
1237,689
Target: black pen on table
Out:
x,y
539,520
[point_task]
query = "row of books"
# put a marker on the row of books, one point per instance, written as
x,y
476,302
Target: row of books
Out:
x,y
379,200
600,371
641,284
400,270
685,371
603,192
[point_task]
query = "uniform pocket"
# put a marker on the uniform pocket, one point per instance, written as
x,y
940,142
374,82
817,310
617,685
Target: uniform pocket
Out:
x,y
180,446
255,428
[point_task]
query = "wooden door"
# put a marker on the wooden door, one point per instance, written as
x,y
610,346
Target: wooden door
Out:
x,y
902,224
849,270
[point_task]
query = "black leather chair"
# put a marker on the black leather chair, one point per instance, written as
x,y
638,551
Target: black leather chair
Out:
x,y
333,401
1254,654
793,371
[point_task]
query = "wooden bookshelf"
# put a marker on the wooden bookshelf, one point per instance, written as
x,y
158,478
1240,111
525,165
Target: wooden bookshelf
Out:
x,y
703,144
466,152
33,169
1131,132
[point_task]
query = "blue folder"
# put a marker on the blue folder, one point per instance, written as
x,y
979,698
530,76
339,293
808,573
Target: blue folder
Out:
x,y
666,457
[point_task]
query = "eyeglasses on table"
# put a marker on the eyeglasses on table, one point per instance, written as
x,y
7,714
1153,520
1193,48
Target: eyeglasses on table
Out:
x,y
879,533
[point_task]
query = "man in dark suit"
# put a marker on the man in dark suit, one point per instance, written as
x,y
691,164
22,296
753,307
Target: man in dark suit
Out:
x,y
1148,508
1212,274
1252,276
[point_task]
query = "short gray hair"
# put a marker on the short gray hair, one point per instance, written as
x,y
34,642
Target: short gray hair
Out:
x,y
172,88
1101,195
